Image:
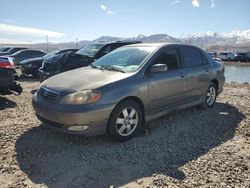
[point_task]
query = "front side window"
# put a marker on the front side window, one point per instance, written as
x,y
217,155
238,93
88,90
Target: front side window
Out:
x,y
191,56
168,57
126,59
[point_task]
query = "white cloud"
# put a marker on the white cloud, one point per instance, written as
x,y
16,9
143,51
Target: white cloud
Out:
x,y
111,12
175,2
195,3
106,10
212,4
103,7
28,31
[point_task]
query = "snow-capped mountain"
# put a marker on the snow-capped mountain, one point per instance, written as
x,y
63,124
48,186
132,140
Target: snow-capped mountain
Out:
x,y
155,38
215,38
202,39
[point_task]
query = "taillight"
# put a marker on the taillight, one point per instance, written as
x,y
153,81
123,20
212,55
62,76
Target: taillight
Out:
x,y
12,64
6,65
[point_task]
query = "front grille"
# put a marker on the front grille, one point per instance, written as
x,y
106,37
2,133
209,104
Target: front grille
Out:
x,y
48,94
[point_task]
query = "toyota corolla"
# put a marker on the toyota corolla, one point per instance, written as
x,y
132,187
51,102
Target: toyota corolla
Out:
x,y
132,85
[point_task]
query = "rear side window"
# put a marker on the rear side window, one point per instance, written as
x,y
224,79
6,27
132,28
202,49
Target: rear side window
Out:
x,y
191,57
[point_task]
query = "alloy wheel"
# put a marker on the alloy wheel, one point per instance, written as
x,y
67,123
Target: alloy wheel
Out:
x,y
211,96
127,121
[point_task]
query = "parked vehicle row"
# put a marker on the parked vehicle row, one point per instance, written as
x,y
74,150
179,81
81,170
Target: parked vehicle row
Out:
x,y
229,56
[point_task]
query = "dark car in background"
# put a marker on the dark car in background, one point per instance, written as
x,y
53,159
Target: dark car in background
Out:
x,y
11,50
83,57
241,57
26,54
4,49
31,66
223,56
8,79
213,54
247,56
127,87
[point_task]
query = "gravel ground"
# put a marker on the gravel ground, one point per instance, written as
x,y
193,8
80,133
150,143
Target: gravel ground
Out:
x,y
187,148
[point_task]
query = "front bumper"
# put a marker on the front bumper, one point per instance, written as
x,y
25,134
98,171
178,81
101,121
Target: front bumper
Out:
x,y
61,117
45,75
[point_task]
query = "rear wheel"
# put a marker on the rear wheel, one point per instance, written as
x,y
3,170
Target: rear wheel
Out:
x,y
125,120
210,97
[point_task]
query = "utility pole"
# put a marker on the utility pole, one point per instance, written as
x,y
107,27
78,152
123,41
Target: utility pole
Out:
x,y
47,41
76,43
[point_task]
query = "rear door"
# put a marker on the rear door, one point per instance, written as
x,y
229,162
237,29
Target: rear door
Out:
x,y
167,89
198,71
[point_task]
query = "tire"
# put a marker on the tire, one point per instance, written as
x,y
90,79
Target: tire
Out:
x,y
125,120
210,97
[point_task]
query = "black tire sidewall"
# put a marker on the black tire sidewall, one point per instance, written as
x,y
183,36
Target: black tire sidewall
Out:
x,y
112,131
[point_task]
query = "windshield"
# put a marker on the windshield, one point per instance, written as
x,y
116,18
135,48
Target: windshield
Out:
x,y
125,59
90,50
17,53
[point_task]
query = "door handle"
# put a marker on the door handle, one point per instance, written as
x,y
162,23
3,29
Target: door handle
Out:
x,y
182,75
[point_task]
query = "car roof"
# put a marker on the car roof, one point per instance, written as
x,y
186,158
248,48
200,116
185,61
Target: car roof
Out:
x,y
117,42
24,50
159,45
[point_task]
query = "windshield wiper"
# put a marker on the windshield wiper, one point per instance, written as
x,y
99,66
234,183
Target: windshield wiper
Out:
x,y
96,67
112,68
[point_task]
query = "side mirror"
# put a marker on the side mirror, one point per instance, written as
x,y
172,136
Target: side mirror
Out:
x,y
159,68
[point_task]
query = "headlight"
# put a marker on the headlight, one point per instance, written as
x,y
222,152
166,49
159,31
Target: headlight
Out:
x,y
81,97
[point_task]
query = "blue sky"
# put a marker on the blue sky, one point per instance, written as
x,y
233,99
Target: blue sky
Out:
x,y
65,20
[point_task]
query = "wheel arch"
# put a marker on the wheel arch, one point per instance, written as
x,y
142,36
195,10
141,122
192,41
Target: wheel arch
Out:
x,y
216,82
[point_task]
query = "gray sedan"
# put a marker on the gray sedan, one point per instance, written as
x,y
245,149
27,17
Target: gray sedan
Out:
x,y
132,85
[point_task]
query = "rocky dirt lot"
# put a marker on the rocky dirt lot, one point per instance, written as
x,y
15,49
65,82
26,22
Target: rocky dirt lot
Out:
x,y
187,148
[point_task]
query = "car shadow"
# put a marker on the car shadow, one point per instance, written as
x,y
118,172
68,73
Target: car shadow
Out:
x,y
6,103
58,160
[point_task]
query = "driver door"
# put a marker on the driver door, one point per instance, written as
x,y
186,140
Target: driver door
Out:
x,y
167,89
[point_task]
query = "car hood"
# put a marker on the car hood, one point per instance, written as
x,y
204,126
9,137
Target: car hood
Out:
x,y
28,61
82,78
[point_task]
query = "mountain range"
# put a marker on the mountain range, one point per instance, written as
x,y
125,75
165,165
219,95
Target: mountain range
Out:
x,y
203,40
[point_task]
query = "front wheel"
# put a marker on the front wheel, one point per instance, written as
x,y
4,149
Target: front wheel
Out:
x,y
125,120
210,97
